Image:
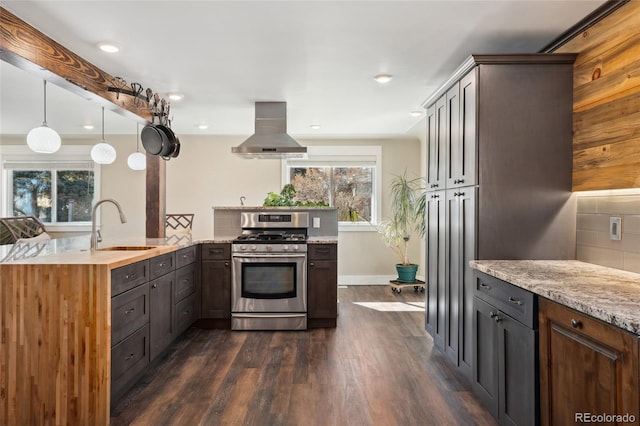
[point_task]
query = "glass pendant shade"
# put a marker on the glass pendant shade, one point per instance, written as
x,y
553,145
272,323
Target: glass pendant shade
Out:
x,y
103,153
43,139
137,160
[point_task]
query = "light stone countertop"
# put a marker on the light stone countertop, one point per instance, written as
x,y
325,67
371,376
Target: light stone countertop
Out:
x,y
611,295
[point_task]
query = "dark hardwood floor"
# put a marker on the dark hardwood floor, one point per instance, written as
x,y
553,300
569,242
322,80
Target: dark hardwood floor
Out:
x,y
375,368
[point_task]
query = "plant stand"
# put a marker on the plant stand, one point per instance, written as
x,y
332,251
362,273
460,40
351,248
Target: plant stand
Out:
x,y
397,286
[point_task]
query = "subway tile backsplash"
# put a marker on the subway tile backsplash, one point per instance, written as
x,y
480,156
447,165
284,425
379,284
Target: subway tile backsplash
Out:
x,y
592,233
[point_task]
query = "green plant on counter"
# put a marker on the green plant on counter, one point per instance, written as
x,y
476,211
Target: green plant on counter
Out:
x,y
286,198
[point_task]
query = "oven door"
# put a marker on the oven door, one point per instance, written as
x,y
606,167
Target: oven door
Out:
x,y
269,283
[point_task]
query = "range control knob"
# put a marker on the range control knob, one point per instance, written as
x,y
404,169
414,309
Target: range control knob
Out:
x,y
285,247
269,247
295,247
253,247
243,247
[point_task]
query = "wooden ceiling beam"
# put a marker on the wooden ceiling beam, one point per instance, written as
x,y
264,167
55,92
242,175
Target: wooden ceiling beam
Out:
x,y
28,49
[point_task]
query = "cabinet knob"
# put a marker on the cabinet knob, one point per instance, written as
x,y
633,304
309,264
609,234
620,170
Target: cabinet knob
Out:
x,y
576,323
312,264
226,263
492,314
483,285
154,286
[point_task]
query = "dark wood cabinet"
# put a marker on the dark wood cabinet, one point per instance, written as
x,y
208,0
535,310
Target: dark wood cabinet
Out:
x,y
322,285
216,281
129,358
505,348
586,366
498,133
129,312
161,313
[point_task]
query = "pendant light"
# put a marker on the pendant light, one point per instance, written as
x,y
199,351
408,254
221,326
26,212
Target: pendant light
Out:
x,y
43,139
137,160
103,153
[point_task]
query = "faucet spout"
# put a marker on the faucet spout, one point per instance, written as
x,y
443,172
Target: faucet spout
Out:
x,y
94,233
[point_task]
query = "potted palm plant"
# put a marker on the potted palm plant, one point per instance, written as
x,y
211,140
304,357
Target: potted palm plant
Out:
x,y
408,203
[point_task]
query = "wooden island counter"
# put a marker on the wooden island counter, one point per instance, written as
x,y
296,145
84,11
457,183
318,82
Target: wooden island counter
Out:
x,y
55,352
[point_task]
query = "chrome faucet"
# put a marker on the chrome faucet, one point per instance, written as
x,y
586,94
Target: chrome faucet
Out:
x,y
94,234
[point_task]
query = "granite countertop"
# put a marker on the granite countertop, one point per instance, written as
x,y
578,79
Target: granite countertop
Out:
x,y
261,208
611,295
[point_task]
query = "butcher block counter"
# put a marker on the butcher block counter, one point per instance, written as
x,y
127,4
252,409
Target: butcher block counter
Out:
x,y
56,329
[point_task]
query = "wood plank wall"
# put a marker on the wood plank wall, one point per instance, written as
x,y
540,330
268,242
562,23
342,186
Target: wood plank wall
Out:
x,y
606,107
55,323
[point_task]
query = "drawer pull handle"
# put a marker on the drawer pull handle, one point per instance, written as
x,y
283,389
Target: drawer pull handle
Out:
x,y
129,311
483,285
458,181
184,256
161,265
576,323
130,276
131,355
515,301
434,185
495,316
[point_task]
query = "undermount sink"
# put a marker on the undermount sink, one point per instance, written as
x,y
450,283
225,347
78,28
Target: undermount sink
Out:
x,y
127,248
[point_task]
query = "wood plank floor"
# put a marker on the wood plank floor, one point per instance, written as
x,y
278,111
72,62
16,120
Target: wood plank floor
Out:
x,y
375,368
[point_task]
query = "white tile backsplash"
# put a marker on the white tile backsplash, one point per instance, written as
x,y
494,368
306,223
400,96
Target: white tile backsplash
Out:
x,y
592,233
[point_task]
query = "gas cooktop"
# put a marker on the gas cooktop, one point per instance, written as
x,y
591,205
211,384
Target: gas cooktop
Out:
x,y
271,238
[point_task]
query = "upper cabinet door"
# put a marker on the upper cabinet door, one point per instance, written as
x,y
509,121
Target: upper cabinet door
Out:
x,y
436,144
461,101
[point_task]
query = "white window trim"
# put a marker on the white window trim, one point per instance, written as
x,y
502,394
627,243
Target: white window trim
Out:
x,y
346,151
68,153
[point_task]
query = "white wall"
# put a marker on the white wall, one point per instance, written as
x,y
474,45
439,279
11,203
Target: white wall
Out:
x,y
206,174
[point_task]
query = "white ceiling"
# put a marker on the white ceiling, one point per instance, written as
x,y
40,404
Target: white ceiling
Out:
x,y
318,56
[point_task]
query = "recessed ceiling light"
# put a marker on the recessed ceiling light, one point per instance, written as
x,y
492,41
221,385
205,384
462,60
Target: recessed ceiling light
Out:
x,y
88,127
416,113
315,126
383,78
203,126
176,96
108,47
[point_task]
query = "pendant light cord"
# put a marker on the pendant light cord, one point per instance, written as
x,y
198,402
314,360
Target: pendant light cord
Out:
x,y
137,137
44,123
103,124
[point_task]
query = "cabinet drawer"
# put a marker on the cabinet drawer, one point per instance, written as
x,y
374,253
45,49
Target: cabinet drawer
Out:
x,y
160,265
516,302
323,251
128,358
129,312
127,277
185,282
186,313
216,251
185,256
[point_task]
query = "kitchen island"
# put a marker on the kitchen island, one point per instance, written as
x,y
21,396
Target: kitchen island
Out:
x,y
56,328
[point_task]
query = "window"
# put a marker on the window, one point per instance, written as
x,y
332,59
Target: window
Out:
x,y
344,177
58,189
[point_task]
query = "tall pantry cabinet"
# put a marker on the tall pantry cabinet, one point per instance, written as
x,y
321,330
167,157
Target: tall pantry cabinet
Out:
x,y
499,158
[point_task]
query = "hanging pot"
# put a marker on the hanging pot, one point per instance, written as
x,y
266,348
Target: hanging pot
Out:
x,y
160,140
153,139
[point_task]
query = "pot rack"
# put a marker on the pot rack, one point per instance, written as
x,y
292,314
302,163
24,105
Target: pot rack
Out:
x,y
158,106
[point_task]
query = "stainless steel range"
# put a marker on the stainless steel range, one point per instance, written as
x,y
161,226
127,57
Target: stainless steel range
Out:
x,y
269,272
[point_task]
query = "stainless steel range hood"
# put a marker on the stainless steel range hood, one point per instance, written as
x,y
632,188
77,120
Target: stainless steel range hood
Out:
x,y
270,139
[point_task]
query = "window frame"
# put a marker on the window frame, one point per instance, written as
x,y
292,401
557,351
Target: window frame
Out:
x,y
66,155
341,153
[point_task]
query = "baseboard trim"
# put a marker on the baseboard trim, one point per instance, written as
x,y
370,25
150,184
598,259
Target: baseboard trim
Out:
x,y
368,279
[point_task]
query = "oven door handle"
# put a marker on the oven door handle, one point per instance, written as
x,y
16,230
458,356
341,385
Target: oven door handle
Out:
x,y
278,315
268,256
